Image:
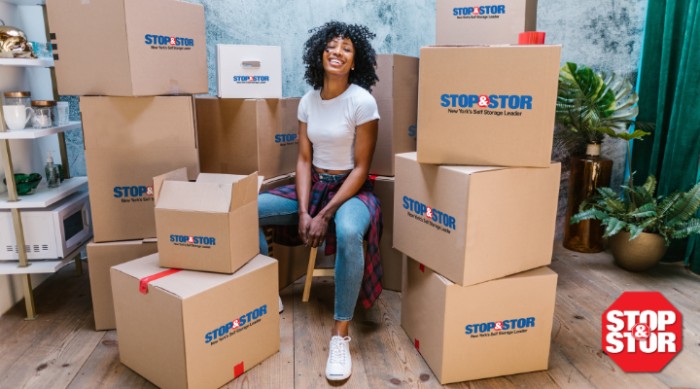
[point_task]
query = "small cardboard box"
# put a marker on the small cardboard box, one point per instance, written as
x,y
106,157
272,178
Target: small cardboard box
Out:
x,y
495,328
463,23
207,225
475,223
187,329
128,141
101,257
128,47
249,72
238,136
487,105
396,93
391,258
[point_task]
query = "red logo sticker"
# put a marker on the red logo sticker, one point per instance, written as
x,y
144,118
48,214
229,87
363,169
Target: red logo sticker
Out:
x,y
429,213
190,240
172,41
642,332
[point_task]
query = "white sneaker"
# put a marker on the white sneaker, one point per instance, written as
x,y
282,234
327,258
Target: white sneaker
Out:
x,y
281,305
339,364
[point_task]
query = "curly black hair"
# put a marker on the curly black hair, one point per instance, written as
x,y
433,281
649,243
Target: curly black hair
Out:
x,y
364,74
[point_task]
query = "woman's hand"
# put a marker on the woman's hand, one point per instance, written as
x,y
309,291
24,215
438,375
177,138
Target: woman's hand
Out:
x,y
317,231
304,224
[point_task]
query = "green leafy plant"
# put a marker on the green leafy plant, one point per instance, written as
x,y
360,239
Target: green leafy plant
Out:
x,y
638,210
592,105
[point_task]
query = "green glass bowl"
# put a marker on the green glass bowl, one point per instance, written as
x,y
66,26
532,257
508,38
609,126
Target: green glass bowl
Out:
x,y
26,183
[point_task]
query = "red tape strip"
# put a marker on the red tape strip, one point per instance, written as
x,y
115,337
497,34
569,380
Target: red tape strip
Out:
x,y
238,370
421,267
416,344
143,283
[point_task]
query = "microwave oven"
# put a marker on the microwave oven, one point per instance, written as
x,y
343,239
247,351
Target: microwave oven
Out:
x,y
49,233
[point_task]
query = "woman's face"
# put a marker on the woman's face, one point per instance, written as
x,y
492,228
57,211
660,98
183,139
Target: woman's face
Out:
x,y
339,56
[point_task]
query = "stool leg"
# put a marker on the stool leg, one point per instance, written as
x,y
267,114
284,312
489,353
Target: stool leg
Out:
x,y
309,275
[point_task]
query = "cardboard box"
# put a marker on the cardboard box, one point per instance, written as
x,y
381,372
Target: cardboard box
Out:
x,y
128,47
391,258
186,329
475,223
249,72
208,225
238,136
396,93
101,257
517,85
467,23
495,328
128,141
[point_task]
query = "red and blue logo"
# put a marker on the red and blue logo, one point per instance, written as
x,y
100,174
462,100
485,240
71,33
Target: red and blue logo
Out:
x,y
228,329
192,240
133,191
486,101
168,40
425,212
461,12
251,79
498,326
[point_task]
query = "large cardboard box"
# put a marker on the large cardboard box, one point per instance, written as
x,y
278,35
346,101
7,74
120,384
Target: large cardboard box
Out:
x,y
475,223
495,328
391,258
101,257
128,47
487,105
207,225
396,93
238,136
188,329
128,141
467,23
248,71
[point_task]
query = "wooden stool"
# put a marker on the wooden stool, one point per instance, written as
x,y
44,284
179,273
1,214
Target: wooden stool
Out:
x,y
312,272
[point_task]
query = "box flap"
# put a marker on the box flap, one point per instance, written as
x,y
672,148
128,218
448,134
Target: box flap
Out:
x,y
185,283
195,196
246,191
174,175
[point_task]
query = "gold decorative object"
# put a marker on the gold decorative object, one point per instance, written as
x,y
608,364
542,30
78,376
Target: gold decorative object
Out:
x,y
14,43
639,254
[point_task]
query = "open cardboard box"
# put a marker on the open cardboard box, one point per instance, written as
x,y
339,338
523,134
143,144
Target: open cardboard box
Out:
x,y
210,224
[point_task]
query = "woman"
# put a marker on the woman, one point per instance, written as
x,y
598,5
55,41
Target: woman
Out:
x,y
332,199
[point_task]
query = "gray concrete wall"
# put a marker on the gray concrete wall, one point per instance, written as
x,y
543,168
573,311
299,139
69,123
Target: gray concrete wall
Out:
x,y
604,34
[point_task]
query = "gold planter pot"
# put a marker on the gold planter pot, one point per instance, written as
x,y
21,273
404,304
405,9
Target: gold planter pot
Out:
x,y
639,254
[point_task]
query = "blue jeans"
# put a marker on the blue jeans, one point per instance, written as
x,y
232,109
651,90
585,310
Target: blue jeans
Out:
x,y
351,224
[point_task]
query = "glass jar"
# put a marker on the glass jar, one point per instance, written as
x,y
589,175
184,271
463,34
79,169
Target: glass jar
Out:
x,y
18,98
44,113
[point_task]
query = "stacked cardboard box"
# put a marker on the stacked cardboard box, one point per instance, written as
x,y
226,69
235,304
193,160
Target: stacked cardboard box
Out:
x,y
481,193
138,112
396,93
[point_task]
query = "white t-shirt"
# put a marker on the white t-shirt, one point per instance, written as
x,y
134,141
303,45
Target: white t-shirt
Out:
x,y
331,124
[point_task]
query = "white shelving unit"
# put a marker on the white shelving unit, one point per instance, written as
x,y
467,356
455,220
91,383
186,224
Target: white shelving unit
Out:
x,y
27,62
36,133
44,196
35,75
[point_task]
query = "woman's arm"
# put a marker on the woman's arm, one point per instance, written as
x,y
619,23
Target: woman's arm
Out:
x,y
303,181
365,142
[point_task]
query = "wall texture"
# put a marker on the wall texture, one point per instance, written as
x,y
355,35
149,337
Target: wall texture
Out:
x,y
604,34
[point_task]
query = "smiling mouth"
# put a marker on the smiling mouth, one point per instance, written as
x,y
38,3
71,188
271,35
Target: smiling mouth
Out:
x,y
335,62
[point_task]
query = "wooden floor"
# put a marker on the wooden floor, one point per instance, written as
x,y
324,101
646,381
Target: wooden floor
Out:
x,y
61,350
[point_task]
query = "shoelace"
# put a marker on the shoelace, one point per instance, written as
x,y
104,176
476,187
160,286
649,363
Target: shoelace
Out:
x,y
337,353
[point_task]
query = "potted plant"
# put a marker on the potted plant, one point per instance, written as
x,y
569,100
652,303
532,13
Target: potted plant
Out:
x,y
641,226
590,107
